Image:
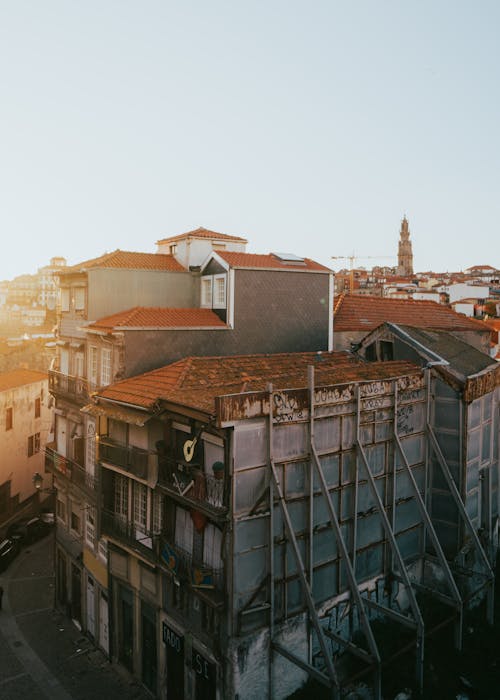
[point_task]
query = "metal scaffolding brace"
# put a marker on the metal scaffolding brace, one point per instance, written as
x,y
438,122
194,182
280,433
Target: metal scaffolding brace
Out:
x,y
358,601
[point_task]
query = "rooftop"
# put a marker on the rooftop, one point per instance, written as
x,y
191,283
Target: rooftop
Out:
x,y
159,317
20,377
196,381
364,313
269,261
202,233
127,260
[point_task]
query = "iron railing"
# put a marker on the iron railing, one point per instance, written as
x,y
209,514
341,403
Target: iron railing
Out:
x,y
192,483
76,388
69,470
131,459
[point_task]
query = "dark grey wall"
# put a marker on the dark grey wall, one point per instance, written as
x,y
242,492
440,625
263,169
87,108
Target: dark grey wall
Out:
x,y
274,312
110,291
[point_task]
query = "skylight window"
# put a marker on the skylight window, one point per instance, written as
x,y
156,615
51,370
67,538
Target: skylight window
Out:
x,y
289,258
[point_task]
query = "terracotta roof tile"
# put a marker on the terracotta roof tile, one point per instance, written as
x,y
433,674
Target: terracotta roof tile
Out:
x,y
269,261
128,260
202,233
196,381
356,313
157,317
20,377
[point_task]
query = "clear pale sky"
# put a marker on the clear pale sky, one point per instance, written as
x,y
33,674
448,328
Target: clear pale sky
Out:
x,y
307,127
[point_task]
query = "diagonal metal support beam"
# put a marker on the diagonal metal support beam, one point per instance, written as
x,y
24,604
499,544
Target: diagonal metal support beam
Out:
x,y
332,674
308,668
467,521
399,560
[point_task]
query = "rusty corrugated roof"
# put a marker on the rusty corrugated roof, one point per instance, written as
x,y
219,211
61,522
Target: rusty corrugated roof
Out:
x,y
196,381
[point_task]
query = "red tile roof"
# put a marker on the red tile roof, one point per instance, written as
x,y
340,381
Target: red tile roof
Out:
x,y
269,261
202,233
20,377
157,317
356,313
128,260
196,381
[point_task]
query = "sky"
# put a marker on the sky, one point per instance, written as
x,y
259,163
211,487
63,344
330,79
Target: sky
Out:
x,y
306,127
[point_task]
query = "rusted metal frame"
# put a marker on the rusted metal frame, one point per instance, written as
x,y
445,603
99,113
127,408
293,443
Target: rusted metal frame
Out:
x,y
332,673
428,523
398,617
271,549
393,499
308,668
351,578
399,559
467,521
349,646
310,382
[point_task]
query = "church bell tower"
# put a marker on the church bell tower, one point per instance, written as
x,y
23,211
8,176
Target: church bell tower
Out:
x,y
405,254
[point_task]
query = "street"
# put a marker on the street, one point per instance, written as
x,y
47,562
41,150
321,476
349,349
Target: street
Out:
x,y
42,653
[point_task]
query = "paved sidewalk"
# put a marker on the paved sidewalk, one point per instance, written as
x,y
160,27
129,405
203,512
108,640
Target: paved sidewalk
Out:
x,y
42,654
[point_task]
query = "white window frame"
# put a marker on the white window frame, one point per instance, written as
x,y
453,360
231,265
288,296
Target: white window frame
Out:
x,y
90,520
64,298
106,365
206,292
79,298
140,506
121,496
93,364
219,292
158,501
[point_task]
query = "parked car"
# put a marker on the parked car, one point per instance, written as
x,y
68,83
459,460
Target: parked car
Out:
x,y
30,530
9,549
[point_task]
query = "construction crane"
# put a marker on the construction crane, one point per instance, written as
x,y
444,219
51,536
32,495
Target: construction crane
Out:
x,y
352,258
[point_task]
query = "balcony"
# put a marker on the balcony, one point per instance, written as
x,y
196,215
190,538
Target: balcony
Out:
x,y
192,484
188,569
121,530
131,459
70,472
76,389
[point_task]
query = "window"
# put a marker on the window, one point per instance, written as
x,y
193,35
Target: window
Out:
x,y
105,366
61,510
90,527
8,419
33,444
78,362
75,522
64,299
93,364
121,496
140,506
79,298
173,248
37,408
183,529
103,549
219,291
206,292
157,513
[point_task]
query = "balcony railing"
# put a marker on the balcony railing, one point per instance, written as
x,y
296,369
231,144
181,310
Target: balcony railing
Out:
x,y
188,569
76,388
192,483
131,459
69,470
119,528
